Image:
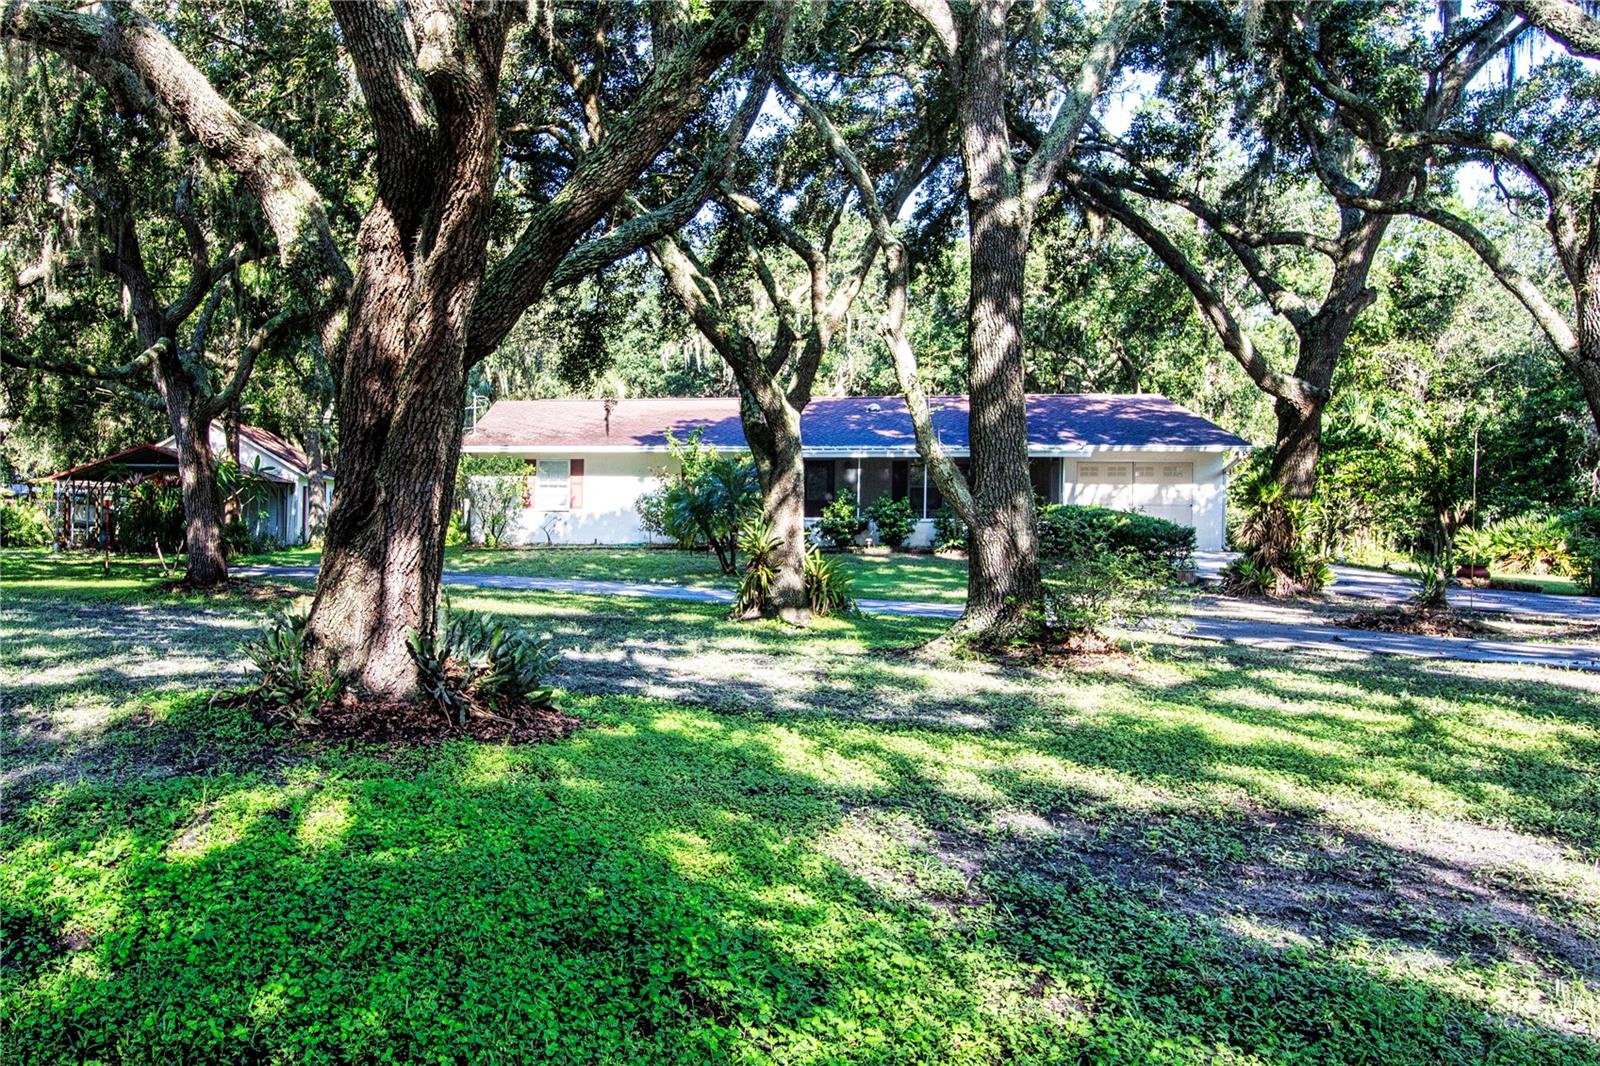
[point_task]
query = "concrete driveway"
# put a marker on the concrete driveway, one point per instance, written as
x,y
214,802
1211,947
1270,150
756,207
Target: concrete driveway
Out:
x,y
1383,587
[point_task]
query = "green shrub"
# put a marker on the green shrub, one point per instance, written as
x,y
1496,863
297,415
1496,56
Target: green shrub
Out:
x,y
827,586
1244,577
25,525
949,531
1272,537
455,534
893,520
841,522
707,500
496,500
1583,543
149,513
1531,544
476,659
288,688
1088,590
235,539
652,510
1063,528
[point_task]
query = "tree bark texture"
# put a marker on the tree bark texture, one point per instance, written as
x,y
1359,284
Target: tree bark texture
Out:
x,y
1003,563
776,447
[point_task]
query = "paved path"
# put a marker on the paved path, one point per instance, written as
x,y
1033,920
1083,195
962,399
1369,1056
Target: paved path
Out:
x,y
1383,587
1252,624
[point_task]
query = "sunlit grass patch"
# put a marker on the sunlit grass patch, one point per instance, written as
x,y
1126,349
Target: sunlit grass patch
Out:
x,y
1205,854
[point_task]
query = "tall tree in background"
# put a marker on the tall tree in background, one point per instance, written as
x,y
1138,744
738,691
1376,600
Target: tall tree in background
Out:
x,y
974,43
423,304
776,349
1537,134
111,213
1171,156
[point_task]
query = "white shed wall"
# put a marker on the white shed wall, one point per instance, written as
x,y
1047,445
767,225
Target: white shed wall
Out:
x,y
1201,502
612,484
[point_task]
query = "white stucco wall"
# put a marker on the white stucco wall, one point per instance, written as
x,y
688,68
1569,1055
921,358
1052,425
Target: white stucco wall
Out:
x,y
612,483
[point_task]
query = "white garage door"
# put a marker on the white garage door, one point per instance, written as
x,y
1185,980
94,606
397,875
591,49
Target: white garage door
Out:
x,y
1162,490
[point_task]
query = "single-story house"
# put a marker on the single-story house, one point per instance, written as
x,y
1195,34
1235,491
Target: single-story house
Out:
x,y
284,470
590,460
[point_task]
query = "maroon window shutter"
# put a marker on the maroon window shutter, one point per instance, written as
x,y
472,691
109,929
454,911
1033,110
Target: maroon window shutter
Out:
x,y
575,480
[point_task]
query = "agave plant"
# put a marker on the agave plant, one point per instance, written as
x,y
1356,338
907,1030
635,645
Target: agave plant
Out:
x,y
759,545
478,659
289,687
827,586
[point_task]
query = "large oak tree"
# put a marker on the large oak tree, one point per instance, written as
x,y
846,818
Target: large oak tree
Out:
x,y
418,300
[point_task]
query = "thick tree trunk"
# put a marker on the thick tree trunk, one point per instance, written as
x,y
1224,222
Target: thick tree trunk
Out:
x,y
383,549
1298,444
202,507
782,474
404,379
1003,563
1298,447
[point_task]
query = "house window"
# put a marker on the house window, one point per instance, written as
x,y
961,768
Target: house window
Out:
x,y
555,485
936,498
1045,474
819,486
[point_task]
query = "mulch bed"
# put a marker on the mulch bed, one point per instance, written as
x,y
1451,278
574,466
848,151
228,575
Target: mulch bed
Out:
x,y
1074,649
1421,621
243,588
419,722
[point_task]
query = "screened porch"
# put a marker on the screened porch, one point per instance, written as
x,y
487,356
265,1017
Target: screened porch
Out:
x,y
904,479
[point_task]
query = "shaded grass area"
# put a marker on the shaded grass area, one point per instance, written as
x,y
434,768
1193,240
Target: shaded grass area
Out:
x,y
801,848
90,576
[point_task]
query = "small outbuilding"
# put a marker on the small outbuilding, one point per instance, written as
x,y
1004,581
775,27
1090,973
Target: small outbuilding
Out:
x,y
286,480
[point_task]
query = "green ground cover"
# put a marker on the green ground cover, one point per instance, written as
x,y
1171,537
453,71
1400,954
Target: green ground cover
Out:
x,y
782,847
900,576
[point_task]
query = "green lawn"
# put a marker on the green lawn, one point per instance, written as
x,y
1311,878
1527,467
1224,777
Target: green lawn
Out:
x,y
799,847
901,576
